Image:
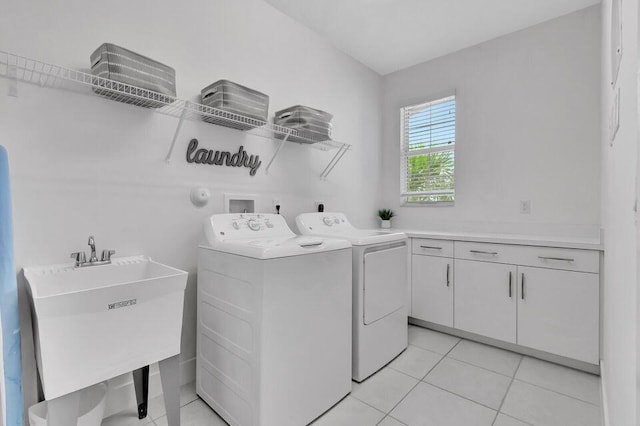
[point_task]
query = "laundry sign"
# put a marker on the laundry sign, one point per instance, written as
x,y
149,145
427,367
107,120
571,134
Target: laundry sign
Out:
x,y
222,158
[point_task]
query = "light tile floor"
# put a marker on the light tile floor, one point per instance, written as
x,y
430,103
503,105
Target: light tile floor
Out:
x,y
440,380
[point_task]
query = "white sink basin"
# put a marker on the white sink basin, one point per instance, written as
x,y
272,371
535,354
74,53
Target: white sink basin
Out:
x,y
94,323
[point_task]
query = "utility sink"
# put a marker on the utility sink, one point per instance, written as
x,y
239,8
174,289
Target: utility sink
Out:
x,y
94,323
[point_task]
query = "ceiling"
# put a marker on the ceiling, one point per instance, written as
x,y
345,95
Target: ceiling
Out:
x,y
389,35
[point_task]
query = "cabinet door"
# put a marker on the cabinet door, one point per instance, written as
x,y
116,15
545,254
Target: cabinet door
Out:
x,y
558,312
432,289
485,301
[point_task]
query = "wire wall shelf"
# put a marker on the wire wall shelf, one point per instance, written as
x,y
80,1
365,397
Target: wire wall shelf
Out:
x,y
25,70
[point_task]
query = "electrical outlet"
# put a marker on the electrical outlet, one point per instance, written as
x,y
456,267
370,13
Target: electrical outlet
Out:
x,y
525,206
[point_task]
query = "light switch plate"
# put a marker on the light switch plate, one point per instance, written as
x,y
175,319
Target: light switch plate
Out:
x,y
525,206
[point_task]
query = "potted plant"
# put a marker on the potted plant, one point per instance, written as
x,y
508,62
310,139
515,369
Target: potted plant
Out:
x,y
385,216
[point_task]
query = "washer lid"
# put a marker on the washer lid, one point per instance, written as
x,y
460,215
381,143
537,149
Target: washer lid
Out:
x,y
262,236
337,225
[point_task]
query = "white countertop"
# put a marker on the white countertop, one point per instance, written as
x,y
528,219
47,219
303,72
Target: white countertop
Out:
x,y
582,243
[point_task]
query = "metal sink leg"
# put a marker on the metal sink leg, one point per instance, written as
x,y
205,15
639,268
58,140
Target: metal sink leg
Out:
x,y
141,383
170,377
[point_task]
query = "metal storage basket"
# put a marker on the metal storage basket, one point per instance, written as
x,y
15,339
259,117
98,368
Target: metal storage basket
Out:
x,y
228,96
312,125
122,65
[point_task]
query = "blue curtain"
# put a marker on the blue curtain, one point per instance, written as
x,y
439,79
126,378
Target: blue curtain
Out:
x,y
9,303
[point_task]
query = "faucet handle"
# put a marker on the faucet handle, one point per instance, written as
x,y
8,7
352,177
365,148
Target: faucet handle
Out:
x,y
106,255
79,257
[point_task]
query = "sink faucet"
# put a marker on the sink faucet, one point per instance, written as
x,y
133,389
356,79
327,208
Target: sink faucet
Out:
x,y
92,244
81,259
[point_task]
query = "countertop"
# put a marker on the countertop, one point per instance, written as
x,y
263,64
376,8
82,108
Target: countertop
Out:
x,y
583,243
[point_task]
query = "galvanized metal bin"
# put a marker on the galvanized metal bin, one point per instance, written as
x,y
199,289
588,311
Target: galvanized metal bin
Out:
x,y
122,65
239,101
312,125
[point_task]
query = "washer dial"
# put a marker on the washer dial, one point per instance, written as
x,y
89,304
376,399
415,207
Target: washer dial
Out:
x,y
253,224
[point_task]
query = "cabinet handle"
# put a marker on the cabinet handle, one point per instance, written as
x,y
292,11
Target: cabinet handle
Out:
x,y
448,266
431,247
562,259
492,253
522,288
509,284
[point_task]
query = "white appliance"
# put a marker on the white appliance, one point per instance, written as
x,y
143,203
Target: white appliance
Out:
x,y
380,286
274,321
94,323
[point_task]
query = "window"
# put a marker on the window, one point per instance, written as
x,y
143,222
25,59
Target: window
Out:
x,y
428,152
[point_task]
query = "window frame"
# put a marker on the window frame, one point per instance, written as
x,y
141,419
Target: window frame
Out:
x,y
405,154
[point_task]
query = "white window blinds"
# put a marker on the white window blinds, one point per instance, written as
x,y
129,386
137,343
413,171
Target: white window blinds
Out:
x,y
428,151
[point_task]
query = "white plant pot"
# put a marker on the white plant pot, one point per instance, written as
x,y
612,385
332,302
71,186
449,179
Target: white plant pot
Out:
x,y
385,224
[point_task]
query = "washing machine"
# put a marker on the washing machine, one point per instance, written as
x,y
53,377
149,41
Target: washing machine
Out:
x,y
380,288
274,321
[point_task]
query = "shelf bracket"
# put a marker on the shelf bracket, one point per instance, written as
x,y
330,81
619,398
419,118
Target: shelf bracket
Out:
x,y
336,158
12,74
275,154
175,135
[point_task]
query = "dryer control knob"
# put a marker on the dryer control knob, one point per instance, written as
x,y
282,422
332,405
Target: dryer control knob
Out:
x,y
253,225
235,225
327,221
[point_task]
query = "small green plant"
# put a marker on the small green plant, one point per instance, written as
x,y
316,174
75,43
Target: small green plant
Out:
x,y
385,214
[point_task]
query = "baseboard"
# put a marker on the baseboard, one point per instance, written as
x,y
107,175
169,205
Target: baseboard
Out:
x,y
121,395
603,395
568,362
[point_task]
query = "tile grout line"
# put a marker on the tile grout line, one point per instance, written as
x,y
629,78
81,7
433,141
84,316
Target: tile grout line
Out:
x,y
448,356
522,357
387,415
474,365
195,395
481,367
468,363
511,417
460,396
498,412
365,402
181,407
513,378
440,360
419,380
557,392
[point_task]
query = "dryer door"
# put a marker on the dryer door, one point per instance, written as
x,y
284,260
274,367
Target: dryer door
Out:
x,y
385,280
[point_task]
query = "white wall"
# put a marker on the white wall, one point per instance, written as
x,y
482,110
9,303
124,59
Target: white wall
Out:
x,y
527,129
619,189
83,165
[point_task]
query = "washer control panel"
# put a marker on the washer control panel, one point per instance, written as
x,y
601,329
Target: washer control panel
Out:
x,y
333,220
252,222
323,222
246,225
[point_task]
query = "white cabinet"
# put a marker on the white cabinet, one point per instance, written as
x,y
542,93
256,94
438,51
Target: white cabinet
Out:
x,y
485,299
431,247
558,312
543,298
432,289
